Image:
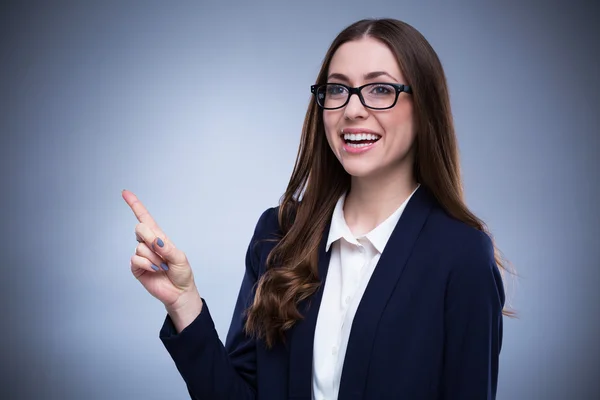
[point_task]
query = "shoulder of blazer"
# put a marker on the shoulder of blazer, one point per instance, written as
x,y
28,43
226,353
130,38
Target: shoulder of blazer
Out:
x,y
267,234
268,225
469,263
461,242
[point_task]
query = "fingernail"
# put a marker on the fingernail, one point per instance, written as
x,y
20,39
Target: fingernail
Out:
x,y
154,267
160,242
164,266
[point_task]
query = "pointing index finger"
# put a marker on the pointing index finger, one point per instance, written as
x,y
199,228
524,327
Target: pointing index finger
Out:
x,y
140,211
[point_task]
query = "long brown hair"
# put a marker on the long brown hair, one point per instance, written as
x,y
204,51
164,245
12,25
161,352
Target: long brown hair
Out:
x,y
318,178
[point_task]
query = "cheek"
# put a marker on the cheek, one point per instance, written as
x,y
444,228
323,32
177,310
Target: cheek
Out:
x,y
329,119
402,122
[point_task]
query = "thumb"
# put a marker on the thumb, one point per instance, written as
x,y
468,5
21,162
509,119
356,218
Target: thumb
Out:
x,y
171,254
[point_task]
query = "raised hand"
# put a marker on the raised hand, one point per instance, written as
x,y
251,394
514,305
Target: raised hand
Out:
x,y
161,268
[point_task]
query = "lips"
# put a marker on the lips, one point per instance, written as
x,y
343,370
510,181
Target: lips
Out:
x,y
358,140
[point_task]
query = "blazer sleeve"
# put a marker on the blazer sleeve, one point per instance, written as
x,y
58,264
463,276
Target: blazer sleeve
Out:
x,y
473,324
210,369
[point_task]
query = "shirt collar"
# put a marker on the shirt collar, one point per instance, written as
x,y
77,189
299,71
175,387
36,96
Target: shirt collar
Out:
x,y
339,229
378,236
382,232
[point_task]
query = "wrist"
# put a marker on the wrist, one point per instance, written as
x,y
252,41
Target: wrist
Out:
x,y
185,310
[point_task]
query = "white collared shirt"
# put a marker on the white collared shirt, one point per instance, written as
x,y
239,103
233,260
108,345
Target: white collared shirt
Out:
x,y
353,260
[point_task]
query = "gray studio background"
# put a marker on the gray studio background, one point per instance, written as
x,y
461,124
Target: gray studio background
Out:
x,y
197,108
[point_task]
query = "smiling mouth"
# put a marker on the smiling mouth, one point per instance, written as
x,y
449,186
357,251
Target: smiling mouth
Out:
x,y
360,139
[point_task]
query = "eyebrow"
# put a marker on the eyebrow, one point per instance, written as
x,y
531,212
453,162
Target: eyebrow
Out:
x,y
370,75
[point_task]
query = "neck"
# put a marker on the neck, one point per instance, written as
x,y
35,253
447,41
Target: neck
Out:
x,y
371,200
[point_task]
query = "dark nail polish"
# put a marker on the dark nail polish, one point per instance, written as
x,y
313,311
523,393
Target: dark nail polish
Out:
x,y
160,242
154,267
164,266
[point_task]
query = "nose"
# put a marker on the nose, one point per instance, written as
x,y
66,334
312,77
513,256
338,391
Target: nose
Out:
x,y
355,109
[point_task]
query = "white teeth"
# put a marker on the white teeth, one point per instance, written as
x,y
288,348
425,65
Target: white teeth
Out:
x,y
358,145
360,136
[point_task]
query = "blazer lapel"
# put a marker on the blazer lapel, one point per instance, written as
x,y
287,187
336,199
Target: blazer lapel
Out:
x,y
301,336
379,289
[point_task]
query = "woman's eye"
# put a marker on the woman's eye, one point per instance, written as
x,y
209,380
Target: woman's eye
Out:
x,y
381,90
334,89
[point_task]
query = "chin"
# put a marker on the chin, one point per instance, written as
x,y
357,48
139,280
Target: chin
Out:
x,y
359,171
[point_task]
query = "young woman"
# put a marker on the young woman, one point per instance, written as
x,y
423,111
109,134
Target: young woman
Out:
x,y
371,279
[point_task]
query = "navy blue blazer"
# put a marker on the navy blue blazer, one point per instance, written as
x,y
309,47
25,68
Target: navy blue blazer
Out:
x,y
429,325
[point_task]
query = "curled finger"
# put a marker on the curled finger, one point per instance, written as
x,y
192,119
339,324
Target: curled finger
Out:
x,y
143,250
139,262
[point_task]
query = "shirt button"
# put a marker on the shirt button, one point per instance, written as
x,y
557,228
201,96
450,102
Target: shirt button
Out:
x,y
334,350
361,249
348,298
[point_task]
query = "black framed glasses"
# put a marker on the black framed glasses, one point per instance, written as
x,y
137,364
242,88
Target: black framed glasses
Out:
x,y
377,96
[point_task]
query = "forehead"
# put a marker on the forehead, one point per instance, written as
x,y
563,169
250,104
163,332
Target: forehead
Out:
x,y
359,57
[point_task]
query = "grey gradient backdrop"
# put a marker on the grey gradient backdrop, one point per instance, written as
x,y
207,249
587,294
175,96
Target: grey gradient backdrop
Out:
x,y
198,107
